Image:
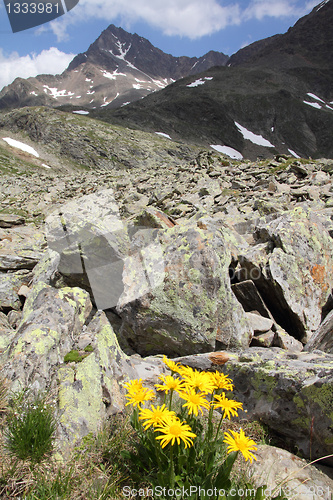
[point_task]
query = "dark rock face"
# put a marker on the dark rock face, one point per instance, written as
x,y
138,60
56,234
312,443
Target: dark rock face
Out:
x,y
305,44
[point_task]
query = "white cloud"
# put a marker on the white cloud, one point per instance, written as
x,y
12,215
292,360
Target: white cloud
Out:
x,y
258,9
51,61
189,18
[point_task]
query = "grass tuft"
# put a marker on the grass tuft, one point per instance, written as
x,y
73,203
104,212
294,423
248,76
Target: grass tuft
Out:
x,y
30,427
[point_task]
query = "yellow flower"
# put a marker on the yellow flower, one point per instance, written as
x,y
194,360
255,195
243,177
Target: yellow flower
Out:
x,y
239,442
136,397
169,384
174,430
133,385
194,401
155,416
221,381
228,405
201,381
174,367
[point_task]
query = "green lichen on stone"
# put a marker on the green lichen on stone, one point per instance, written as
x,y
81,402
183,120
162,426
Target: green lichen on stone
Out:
x,y
29,303
264,382
323,396
80,398
43,341
39,340
77,298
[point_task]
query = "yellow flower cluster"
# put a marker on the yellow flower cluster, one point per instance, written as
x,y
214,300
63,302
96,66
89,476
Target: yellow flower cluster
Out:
x,y
193,387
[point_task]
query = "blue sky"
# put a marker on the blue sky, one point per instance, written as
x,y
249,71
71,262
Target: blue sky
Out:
x,y
178,27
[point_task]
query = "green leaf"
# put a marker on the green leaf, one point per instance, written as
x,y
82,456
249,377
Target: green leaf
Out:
x,y
260,495
222,479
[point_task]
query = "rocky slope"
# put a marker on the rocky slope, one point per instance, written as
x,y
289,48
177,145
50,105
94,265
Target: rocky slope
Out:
x,y
165,251
117,68
274,96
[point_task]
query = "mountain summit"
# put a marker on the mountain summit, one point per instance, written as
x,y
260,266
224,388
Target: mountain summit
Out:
x,y
118,68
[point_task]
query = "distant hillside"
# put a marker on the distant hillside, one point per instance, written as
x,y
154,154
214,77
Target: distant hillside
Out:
x,y
280,90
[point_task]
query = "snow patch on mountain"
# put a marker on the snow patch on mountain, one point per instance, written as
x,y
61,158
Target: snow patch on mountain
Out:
x,y
315,97
232,153
21,145
320,6
313,104
163,135
293,153
256,139
112,76
160,83
200,81
106,103
55,93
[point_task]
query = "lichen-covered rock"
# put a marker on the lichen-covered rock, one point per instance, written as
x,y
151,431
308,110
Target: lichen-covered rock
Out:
x,y
92,389
6,332
10,283
9,220
21,247
258,323
50,322
190,305
282,472
92,242
263,339
170,285
323,338
290,393
285,341
292,267
47,268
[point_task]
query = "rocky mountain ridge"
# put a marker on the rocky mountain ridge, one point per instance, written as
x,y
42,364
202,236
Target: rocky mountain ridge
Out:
x,y
272,97
117,68
279,90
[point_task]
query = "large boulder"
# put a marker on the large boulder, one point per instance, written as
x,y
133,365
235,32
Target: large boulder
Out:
x,y
21,246
190,307
58,348
169,284
89,390
290,393
282,472
92,241
51,320
291,265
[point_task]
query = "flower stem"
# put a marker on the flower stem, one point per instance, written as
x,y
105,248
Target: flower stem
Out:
x,y
219,427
